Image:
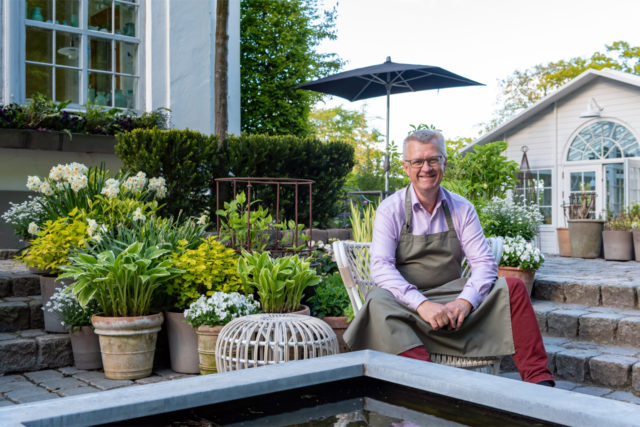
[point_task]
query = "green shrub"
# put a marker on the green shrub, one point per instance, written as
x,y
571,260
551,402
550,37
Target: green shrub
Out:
x,y
188,160
331,298
291,157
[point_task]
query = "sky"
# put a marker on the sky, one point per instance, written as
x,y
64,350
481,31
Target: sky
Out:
x,y
483,40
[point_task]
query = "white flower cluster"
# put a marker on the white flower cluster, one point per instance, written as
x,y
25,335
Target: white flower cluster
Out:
x,y
33,229
92,230
517,252
136,183
111,188
24,217
71,312
510,218
158,185
72,174
220,308
138,216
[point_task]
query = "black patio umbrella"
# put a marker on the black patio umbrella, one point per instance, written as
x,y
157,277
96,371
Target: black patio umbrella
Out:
x,y
386,79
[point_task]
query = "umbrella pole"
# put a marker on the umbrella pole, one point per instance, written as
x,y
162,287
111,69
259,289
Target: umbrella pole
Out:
x,y
386,159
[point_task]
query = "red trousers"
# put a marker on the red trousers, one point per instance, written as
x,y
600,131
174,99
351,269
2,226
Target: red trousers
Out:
x,y
530,356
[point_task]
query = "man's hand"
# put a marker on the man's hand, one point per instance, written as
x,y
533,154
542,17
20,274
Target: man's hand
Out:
x,y
460,309
437,315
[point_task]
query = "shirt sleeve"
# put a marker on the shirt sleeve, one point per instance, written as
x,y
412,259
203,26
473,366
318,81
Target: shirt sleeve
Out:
x,y
383,261
484,269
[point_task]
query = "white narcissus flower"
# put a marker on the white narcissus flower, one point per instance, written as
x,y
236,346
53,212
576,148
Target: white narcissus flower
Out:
x,y
33,228
97,238
33,183
78,182
202,219
138,216
45,188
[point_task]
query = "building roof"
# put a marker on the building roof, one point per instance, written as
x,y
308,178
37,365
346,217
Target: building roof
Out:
x,y
575,84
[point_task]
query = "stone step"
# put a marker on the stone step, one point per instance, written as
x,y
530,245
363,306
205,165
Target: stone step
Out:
x,y
32,350
595,283
595,324
20,313
8,253
16,281
590,364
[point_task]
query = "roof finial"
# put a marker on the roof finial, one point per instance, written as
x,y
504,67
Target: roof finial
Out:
x,y
388,59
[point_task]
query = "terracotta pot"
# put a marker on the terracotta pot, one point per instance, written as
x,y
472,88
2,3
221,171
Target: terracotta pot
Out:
x,y
526,276
127,344
207,340
183,344
303,309
86,349
52,321
636,242
564,244
617,245
339,325
586,237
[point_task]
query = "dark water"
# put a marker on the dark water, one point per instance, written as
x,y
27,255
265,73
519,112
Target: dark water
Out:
x,y
354,402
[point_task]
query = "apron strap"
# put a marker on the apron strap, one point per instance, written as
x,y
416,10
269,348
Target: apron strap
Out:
x,y
408,211
447,214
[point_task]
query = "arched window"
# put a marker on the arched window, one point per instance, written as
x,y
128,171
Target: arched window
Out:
x,y
603,140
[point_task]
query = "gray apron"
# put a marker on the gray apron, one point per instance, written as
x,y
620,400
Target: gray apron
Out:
x,y
432,263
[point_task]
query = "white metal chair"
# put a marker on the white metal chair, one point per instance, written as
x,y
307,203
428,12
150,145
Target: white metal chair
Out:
x,y
353,262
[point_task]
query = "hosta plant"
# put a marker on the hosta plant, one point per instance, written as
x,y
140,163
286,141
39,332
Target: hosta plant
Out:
x,y
519,253
124,283
279,282
209,268
220,308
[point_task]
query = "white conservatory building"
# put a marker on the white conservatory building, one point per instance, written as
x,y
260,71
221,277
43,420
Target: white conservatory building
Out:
x,y
583,137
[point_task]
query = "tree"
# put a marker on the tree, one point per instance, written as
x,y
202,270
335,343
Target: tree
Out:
x,y
523,88
277,52
221,70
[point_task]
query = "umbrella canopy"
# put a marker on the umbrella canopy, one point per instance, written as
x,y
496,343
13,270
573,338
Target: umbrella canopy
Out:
x,y
386,79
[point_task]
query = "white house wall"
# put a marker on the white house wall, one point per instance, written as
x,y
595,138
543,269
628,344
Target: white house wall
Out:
x,y
548,134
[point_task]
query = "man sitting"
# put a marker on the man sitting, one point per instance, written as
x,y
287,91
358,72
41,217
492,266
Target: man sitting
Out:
x,y
420,303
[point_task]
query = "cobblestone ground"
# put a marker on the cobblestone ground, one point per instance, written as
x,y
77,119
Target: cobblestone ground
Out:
x,y
591,271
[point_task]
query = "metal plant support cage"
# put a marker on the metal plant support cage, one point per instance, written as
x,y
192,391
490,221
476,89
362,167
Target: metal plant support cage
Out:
x,y
250,182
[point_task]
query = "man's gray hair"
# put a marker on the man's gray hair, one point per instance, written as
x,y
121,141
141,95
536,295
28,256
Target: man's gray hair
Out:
x,y
425,136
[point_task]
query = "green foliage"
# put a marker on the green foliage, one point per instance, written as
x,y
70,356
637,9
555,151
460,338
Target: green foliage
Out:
x,y
331,298
280,282
624,221
72,314
523,88
321,258
506,218
56,242
235,222
123,284
278,41
289,157
188,160
207,269
481,174
362,221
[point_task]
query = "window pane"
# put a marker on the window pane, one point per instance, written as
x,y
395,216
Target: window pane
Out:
x,y
67,49
100,54
39,45
125,19
546,197
67,12
546,213
39,10
100,85
67,85
126,92
126,54
39,80
100,15
545,176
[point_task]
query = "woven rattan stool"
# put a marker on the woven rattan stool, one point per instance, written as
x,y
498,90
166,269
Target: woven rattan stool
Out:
x,y
270,338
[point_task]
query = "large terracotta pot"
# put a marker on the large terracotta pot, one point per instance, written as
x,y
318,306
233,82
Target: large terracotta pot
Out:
x,y
564,243
617,245
183,344
586,237
636,242
339,325
302,309
127,344
48,285
207,340
86,349
526,276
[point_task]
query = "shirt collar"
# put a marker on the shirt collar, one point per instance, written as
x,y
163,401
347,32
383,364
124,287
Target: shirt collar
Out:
x,y
416,202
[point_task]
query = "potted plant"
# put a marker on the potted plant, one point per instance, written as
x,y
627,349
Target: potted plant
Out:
x,y
209,268
585,232
124,284
564,242
509,218
617,239
279,282
520,259
209,314
77,320
331,303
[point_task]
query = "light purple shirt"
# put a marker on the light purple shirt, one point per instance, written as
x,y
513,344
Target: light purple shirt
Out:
x,y
386,234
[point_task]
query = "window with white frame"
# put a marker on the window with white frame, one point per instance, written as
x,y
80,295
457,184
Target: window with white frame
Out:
x,y
85,51
537,189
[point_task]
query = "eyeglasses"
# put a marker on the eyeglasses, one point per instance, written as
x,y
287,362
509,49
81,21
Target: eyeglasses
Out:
x,y
431,161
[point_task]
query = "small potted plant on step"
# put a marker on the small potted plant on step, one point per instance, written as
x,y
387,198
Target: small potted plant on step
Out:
x,y
617,239
77,320
209,314
520,259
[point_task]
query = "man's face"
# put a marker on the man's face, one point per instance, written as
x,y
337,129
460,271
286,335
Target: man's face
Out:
x,y
426,178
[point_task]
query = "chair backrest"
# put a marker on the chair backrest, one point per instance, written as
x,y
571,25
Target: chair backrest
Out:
x,y
353,262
